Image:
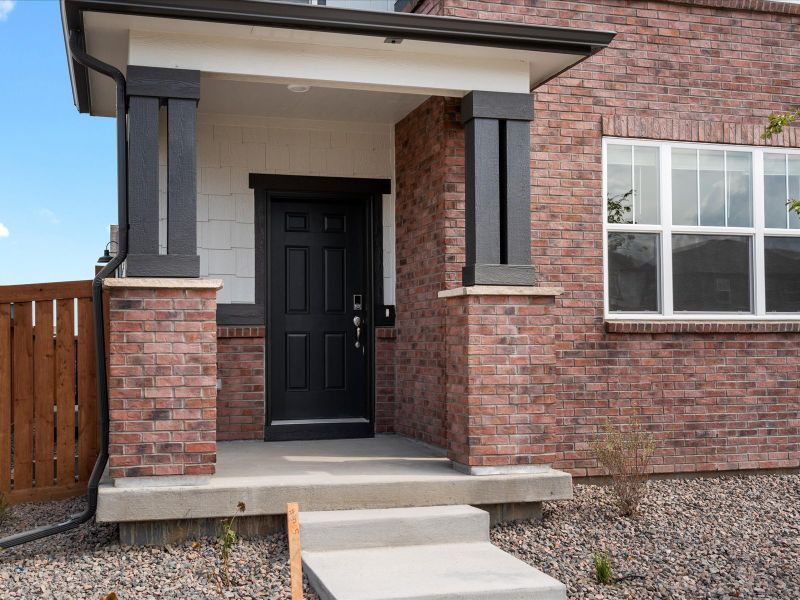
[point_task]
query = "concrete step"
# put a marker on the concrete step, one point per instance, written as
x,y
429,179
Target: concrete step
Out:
x,y
470,571
424,553
325,531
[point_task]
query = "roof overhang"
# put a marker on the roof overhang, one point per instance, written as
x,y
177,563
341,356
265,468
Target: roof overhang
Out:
x,y
300,37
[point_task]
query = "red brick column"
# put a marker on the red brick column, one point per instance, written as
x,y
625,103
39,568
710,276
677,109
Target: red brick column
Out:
x,y
162,376
500,358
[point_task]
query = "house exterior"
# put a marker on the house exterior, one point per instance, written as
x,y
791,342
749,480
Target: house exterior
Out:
x,y
493,232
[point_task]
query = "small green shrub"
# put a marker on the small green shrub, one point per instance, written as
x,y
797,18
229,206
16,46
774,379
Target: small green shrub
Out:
x,y
625,454
602,568
227,540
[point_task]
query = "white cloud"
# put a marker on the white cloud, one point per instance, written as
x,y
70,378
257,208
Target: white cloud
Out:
x,y
4,232
6,6
49,215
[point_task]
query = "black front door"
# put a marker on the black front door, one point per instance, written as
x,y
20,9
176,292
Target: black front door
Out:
x,y
319,348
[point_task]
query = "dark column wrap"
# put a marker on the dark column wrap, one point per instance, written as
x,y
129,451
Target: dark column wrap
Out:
x,y
149,89
498,188
143,175
181,176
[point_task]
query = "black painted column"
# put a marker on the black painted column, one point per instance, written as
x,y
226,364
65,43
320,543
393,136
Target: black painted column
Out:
x,y
143,175
498,188
148,90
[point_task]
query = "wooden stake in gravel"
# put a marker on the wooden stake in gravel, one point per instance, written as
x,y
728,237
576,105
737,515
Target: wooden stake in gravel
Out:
x,y
295,559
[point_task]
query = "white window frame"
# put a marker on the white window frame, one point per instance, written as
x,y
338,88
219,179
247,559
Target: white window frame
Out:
x,y
666,229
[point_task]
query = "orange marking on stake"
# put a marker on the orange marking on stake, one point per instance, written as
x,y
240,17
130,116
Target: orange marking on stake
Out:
x,y
295,558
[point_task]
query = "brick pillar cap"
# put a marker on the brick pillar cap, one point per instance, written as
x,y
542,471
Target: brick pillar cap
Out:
x,y
163,283
501,290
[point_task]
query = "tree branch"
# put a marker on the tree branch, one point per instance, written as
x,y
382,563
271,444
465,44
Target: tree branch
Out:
x,y
778,121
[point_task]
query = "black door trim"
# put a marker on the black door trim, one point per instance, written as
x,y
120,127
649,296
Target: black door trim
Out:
x,y
307,183
263,184
370,193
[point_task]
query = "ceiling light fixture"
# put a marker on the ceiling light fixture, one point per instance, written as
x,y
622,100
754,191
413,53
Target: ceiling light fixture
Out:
x,y
298,88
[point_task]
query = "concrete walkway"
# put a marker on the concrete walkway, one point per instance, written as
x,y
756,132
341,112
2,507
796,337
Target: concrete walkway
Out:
x,y
428,553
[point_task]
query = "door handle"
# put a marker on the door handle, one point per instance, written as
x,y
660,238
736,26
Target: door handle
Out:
x,y
357,321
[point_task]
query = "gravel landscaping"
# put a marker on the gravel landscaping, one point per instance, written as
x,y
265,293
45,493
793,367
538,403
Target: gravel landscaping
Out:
x,y
732,537
88,563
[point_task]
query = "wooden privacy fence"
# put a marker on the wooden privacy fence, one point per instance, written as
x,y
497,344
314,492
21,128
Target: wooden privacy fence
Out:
x,y
48,390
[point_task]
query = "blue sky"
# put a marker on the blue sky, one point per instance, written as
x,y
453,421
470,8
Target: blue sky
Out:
x,y
57,167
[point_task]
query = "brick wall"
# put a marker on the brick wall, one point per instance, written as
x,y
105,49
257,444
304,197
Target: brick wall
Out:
x,y
717,398
240,370
429,250
385,379
162,375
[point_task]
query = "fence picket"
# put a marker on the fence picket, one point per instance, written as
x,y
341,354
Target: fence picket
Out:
x,y
87,391
5,398
43,391
22,365
65,390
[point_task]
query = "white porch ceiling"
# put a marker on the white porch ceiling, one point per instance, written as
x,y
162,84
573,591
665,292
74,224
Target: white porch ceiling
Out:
x,y
330,104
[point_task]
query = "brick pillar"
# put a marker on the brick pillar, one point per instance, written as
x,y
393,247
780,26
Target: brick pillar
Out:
x,y
162,376
500,358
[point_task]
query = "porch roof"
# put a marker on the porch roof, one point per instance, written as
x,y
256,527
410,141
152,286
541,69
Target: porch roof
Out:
x,y
545,51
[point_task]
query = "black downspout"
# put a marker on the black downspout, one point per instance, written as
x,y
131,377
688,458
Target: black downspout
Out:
x,y
97,304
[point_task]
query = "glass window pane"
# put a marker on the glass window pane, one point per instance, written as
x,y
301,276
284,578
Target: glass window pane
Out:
x,y
775,190
382,5
633,272
619,183
740,189
684,186
794,188
712,188
645,160
782,263
711,273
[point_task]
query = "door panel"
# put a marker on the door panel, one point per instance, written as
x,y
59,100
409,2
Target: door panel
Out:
x,y
318,378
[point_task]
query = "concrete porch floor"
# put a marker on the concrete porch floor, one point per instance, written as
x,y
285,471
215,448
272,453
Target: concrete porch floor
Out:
x,y
382,472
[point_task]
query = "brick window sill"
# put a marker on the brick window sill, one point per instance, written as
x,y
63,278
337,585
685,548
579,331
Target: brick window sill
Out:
x,y
501,290
702,327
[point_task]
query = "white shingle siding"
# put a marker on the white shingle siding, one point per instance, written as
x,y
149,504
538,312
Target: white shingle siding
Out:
x,y
229,148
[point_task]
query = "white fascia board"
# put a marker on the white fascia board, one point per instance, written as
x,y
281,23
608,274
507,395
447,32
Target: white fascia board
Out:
x,y
393,69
